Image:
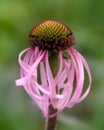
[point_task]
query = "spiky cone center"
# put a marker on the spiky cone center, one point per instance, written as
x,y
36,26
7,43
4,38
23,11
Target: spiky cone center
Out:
x,y
51,35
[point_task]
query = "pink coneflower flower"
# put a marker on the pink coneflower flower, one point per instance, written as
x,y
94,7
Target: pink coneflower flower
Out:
x,y
52,72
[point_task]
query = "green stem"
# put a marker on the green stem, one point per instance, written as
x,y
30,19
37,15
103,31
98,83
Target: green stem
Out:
x,y
54,62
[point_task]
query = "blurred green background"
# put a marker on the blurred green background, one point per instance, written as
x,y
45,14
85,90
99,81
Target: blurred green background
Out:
x,y
17,18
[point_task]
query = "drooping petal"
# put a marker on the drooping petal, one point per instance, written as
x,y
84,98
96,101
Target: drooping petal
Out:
x,y
29,73
89,76
79,64
43,75
67,91
58,91
69,71
79,75
24,66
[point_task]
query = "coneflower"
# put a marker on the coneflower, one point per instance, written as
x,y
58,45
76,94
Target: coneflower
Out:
x,y
52,72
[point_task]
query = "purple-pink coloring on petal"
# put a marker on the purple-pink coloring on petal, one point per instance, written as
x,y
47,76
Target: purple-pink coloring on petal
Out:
x,y
69,80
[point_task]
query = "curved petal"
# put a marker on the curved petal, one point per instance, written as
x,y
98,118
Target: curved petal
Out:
x,y
79,64
89,76
23,64
33,71
43,74
70,70
67,91
79,74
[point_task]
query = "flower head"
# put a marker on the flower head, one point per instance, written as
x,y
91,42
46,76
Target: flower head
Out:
x,y
51,35
63,89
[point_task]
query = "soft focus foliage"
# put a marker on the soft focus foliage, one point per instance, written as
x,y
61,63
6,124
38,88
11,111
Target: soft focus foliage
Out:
x,y
17,18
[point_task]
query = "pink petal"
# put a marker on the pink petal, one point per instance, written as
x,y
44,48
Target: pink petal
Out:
x,y
43,74
78,63
79,75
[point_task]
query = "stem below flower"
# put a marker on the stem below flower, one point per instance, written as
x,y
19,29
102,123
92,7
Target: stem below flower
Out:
x,y
51,121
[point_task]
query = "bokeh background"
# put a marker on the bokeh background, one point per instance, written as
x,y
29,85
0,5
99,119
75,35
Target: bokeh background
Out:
x,y
17,18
